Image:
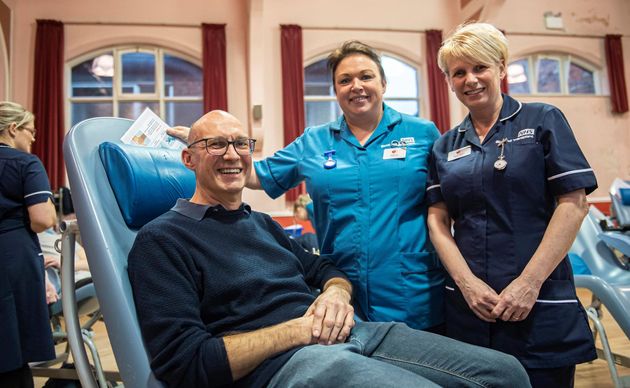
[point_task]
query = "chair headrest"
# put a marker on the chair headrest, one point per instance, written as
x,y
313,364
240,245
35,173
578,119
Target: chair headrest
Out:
x,y
146,181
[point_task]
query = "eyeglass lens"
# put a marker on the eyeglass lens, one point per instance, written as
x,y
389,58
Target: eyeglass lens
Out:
x,y
219,146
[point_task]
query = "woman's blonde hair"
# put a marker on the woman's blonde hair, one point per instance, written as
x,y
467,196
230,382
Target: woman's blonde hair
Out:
x,y
476,43
11,112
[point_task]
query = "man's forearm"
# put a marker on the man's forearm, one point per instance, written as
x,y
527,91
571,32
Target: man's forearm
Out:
x,y
248,350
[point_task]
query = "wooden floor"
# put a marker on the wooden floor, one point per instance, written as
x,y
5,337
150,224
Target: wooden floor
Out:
x,y
589,375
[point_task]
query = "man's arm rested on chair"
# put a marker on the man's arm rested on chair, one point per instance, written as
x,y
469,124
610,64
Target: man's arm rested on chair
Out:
x,y
246,351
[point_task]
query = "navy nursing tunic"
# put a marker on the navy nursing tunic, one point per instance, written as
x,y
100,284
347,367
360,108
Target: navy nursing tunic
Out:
x,y
369,211
26,334
500,217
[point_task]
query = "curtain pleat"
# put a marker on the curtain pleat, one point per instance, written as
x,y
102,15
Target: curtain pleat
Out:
x,y
214,67
438,89
292,89
48,103
616,75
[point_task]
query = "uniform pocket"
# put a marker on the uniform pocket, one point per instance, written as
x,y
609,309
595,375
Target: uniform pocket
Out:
x,y
526,170
423,279
461,323
557,325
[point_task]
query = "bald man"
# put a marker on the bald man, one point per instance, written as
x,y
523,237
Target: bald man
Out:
x,y
224,297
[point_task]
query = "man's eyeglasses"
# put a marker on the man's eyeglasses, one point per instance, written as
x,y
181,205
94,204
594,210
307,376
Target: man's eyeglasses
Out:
x,y
218,146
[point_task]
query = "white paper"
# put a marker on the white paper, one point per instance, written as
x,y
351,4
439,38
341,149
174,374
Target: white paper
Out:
x,y
150,131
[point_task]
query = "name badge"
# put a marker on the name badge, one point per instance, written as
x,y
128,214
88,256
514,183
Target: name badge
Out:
x,y
394,153
460,153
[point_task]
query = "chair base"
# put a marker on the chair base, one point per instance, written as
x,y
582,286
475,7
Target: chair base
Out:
x,y
594,313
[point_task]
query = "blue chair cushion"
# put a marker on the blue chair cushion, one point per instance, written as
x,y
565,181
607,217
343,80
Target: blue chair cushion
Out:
x,y
578,265
146,181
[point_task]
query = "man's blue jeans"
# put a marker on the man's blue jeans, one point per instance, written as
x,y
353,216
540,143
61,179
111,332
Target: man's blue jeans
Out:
x,y
393,355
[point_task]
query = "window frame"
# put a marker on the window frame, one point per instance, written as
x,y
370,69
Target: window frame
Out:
x,y
565,61
561,75
117,95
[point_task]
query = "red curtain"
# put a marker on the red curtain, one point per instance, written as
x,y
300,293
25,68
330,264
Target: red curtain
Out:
x,y
616,75
292,89
214,67
504,83
48,105
438,89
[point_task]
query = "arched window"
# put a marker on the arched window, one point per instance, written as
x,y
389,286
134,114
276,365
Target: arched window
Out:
x,y
122,81
553,73
319,96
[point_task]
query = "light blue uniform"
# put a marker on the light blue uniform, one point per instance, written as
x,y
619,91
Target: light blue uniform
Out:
x,y
370,214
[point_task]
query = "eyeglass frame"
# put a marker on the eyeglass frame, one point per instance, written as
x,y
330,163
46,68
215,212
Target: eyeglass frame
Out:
x,y
33,130
251,142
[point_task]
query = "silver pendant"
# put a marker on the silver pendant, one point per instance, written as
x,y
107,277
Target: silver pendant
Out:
x,y
500,164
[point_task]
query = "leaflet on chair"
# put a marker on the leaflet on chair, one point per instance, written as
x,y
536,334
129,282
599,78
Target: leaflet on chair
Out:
x,y
150,130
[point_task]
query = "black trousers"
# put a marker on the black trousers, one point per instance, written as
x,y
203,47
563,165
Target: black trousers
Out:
x,y
17,378
552,377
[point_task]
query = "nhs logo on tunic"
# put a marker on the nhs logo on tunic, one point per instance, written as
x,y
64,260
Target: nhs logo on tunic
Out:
x,y
523,134
526,132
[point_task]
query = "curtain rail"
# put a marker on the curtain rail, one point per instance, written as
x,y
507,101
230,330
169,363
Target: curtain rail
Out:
x,y
507,33
132,24
311,28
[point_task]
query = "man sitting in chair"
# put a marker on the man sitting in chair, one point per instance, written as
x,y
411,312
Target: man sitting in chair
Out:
x,y
224,297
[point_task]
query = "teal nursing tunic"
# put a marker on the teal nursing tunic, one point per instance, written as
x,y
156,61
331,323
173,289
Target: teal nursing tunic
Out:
x,y
369,211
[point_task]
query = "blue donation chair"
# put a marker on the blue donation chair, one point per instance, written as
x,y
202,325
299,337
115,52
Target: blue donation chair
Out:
x,y
116,189
605,249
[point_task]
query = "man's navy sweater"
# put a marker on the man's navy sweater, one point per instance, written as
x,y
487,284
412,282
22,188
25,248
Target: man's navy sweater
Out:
x,y
199,273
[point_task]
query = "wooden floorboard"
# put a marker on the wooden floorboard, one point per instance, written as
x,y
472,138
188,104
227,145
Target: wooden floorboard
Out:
x,y
588,375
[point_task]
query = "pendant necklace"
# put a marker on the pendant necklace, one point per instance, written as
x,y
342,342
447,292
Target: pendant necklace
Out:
x,y
501,163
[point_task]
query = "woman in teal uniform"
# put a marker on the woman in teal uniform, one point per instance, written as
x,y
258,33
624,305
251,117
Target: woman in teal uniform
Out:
x,y
26,208
512,181
366,173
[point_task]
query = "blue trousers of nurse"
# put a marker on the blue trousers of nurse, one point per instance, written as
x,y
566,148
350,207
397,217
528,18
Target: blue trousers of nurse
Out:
x,y
393,355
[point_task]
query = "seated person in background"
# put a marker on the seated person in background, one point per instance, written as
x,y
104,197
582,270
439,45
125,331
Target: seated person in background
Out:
x,y
222,296
52,258
303,211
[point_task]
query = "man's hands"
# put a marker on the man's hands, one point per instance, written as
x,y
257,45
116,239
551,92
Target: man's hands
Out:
x,y
333,315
